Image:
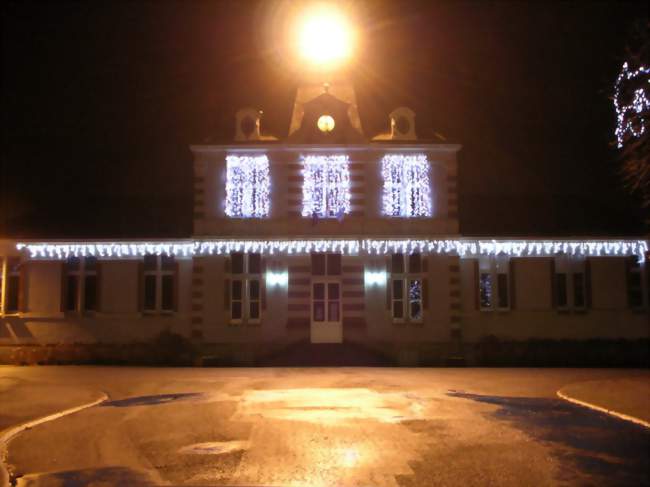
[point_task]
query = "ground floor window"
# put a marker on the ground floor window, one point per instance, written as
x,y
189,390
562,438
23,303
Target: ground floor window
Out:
x,y
494,283
245,287
10,285
635,283
159,283
80,287
570,283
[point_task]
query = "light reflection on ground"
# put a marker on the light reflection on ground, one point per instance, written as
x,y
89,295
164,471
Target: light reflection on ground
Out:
x,y
328,436
330,406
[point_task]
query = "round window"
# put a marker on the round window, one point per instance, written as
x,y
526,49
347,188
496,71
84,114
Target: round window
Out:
x,y
325,123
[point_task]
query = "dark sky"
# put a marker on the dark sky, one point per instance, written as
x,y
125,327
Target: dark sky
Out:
x,y
101,100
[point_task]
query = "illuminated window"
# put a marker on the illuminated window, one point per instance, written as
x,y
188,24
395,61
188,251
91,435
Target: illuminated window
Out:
x,y
80,284
494,283
407,287
245,287
407,190
159,279
247,186
326,186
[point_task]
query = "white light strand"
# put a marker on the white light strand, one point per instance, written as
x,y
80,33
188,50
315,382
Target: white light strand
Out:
x,y
326,186
407,190
247,186
465,248
625,112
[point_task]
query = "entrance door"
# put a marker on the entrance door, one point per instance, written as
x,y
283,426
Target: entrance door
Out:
x,y
326,325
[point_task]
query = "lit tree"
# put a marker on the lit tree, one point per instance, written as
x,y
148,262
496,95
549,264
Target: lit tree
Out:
x,y
632,104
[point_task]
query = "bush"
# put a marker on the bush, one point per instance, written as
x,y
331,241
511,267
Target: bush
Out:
x,y
491,351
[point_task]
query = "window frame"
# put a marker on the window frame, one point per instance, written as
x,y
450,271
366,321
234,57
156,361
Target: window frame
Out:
x,y
246,277
309,188
80,273
159,272
403,195
494,267
259,170
570,267
635,266
404,278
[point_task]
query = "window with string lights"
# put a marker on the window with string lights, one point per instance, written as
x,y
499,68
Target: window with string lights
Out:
x,y
407,189
326,186
248,185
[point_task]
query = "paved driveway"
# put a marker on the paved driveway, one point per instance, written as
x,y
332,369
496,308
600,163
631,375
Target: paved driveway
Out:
x,y
318,427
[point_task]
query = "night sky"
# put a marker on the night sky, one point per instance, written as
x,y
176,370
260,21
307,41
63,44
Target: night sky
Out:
x,y
101,100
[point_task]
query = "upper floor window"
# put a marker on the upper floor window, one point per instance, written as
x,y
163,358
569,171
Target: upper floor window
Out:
x,y
326,186
159,283
247,186
10,293
80,284
407,190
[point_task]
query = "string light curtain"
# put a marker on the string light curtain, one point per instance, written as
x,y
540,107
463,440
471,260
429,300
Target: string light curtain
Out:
x,y
247,186
326,186
407,190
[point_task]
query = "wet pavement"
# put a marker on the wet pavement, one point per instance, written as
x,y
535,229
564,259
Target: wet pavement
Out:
x,y
609,450
325,427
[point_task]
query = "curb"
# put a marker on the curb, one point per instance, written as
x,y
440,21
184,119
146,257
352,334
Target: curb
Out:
x,y
611,412
9,434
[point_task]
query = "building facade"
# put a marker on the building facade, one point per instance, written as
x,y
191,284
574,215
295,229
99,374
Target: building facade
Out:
x,y
326,236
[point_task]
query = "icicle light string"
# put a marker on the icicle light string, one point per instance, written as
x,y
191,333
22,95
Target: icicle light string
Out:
x,y
462,247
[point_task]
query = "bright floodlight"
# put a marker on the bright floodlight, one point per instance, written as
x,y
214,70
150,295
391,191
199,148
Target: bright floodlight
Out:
x,y
325,37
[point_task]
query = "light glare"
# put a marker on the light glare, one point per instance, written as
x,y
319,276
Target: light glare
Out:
x,y
325,37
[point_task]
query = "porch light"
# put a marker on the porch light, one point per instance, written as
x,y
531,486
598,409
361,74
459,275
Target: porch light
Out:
x,y
277,278
375,278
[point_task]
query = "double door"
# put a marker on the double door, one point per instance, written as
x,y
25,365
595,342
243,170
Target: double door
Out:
x,y
326,324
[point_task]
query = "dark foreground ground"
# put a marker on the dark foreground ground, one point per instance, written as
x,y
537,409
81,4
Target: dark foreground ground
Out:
x,y
317,427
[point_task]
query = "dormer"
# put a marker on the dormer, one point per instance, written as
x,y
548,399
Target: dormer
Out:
x,y
247,126
402,124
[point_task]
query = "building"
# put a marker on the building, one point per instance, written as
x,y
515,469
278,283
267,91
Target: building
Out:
x,y
326,236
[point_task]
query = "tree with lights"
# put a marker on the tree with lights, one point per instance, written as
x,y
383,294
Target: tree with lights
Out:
x,y
632,104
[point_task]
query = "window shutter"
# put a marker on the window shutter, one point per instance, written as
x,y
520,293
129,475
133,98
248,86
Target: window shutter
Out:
x,y
588,282
98,287
476,290
226,284
425,293
512,282
226,294
22,288
553,285
425,264
388,284
140,286
263,283
628,266
646,267
64,286
176,294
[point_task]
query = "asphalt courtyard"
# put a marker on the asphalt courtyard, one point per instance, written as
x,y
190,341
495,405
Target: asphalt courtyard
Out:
x,y
315,427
